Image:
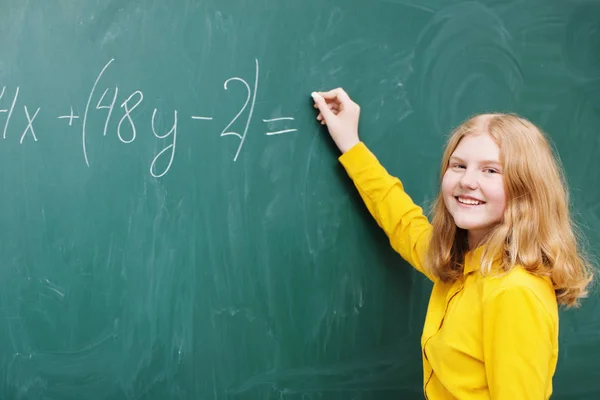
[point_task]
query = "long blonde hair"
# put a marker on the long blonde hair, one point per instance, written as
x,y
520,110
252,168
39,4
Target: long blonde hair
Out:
x,y
536,232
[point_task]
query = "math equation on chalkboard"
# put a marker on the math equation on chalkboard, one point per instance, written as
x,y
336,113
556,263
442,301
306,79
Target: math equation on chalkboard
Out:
x,y
106,101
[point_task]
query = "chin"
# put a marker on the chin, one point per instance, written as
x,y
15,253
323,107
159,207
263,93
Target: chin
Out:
x,y
469,225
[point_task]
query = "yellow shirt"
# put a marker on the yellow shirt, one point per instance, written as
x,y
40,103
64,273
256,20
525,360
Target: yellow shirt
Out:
x,y
485,337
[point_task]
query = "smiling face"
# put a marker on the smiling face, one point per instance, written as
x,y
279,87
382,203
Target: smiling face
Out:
x,y
473,186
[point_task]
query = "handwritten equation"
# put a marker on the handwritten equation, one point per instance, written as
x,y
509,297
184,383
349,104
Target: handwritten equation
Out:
x,y
126,127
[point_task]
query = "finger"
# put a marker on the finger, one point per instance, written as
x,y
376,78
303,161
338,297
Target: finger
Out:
x,y
337,93
330,104
323,108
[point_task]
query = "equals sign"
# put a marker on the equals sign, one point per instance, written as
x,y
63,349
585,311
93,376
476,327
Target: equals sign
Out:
x,y
282,131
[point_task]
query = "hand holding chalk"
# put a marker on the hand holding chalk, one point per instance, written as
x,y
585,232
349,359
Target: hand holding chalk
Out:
x,y
340,114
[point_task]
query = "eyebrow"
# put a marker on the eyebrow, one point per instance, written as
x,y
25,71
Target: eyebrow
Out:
x,y
495,162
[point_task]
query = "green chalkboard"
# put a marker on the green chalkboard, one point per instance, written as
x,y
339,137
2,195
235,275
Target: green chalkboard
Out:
x,y
176,225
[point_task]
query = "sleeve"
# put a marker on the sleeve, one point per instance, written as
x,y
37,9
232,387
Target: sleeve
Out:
x,y
517,345
403,221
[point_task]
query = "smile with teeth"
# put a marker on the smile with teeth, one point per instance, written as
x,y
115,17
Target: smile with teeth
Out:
x,y
468,201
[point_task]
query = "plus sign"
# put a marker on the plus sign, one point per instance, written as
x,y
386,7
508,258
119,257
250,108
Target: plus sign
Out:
x,y
71,117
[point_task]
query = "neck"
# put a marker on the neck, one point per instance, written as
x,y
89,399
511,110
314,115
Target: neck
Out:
x,y
473,240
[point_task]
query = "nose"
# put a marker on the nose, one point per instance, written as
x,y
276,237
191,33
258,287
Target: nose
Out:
x,y
468,179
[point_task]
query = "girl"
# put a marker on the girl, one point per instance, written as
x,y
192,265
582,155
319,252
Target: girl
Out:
x,y
500,250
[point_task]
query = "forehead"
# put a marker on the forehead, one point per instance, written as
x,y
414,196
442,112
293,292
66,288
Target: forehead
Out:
x,y
477,146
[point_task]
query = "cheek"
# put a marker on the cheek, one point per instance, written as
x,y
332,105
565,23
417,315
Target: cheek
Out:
x,y
448,185
497,196
447,189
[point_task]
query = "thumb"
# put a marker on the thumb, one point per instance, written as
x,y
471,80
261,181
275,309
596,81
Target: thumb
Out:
x,y
323,107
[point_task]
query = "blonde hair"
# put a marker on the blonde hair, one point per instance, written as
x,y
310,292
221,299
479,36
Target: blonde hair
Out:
x,y
536,232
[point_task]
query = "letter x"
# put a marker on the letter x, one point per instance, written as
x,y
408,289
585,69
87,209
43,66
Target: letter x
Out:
x,y
29,125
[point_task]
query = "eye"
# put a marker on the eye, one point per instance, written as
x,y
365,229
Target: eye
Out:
x,y
491,171
457,166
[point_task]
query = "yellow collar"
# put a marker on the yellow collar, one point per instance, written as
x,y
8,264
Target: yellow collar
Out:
x,y
473,260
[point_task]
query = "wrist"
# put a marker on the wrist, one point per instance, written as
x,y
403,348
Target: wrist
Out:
x,y
348,144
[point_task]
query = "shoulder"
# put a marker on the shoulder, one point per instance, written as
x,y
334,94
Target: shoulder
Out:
x,y
520,283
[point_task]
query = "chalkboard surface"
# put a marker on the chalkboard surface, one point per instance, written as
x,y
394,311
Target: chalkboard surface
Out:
x,y
176,225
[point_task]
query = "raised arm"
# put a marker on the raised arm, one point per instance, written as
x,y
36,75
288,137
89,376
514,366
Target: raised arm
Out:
x,y
401,219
